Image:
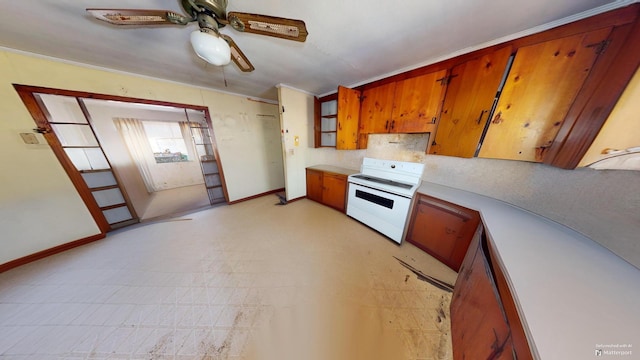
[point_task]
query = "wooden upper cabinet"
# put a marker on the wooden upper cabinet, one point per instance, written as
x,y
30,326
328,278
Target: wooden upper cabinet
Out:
x,y
417,103
407,106
375,110
542,85
348,118
472,89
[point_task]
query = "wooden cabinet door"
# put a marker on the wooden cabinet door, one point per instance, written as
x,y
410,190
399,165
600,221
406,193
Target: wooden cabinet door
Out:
x,y
442,229
314,185
542,84
479,329
417,103
375,110
470,95
335,190
348,118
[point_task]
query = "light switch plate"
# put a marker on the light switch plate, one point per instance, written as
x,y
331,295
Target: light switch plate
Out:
x,y
29,138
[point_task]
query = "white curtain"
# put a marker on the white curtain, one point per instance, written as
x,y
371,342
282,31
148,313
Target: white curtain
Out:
x,y
188,140
133,134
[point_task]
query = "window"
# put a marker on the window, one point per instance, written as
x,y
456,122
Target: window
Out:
x,y
167,141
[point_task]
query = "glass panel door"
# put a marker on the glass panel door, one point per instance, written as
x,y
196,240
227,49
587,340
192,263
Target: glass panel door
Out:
x,y
69,122
205,151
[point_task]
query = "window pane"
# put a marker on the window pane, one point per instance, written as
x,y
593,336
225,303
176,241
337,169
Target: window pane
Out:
x,y
329,107
117,215
75,135
210,167
216,193
204,150
108,197
87,158
166,141
328,124
97,159
99,179
328,139
63,108
212,180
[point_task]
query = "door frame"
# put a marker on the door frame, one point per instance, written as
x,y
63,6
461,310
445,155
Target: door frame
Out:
x,y
38,113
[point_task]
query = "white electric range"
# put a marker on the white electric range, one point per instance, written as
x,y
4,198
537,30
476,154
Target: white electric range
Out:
x,y
380,195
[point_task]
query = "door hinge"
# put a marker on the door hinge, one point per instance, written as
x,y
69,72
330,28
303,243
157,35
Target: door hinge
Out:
x,y
600,47
446,80
42,130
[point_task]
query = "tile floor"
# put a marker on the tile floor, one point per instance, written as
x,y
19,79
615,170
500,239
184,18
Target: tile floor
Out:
x,y
252,280
177,200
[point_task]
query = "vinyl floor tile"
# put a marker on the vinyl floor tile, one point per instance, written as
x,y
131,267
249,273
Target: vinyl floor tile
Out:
x,y
250,281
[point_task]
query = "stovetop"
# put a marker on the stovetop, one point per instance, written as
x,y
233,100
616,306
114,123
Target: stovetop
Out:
x,y
398,177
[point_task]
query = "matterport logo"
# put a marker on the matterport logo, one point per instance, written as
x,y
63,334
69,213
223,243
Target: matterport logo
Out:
x,y
614,350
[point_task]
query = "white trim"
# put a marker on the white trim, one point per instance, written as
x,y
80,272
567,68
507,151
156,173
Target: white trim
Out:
x,y
281,85
100,68
550,25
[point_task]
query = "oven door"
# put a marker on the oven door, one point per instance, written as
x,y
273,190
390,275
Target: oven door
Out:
x,y
382,211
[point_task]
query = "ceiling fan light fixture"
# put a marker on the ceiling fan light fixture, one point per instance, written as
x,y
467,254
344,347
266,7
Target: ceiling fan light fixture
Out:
x,y
210,47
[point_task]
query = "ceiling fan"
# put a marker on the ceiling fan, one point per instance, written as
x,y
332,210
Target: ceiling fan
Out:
x,y
211,15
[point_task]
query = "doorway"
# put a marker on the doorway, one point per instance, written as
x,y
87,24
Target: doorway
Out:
x,y
182,170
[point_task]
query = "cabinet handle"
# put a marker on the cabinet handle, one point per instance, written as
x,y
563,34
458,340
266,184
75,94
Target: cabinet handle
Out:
x,y
393,124
339,126
386,125
480,117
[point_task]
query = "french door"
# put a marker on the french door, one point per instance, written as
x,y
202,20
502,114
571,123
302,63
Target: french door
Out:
x,y
65,124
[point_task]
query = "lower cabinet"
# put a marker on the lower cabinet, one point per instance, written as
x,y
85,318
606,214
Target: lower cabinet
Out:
x,y
327,188
482,325
442,229
479,329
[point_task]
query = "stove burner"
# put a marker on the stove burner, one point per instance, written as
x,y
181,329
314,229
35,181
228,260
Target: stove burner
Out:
x,y
383,181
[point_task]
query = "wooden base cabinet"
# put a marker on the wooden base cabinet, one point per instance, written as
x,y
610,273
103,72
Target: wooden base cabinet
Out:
x,y
481,325
442,229
327,188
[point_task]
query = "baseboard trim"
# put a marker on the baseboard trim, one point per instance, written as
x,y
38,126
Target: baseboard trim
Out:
x,y
48,252
255,196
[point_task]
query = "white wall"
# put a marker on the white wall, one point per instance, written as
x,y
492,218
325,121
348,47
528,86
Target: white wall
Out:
x,y
249,147
296,122
39,207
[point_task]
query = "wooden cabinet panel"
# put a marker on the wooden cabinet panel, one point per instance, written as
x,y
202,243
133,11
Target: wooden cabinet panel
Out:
x,y
542,85
334,191
442,229
470,95
375,110
348,118
314,185
327,188
408,106
417,103
479,329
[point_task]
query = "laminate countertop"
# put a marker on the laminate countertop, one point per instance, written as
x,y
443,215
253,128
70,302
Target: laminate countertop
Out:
x,y
573,295
334,169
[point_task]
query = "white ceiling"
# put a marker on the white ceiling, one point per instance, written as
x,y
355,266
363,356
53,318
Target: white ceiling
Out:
x,y
349,43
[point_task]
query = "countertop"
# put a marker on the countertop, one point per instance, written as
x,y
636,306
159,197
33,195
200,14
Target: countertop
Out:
x,y
334,169
573,295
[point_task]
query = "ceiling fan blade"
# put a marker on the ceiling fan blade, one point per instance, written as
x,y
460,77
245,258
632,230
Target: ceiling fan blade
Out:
x,y
139,17
238,57
268,25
